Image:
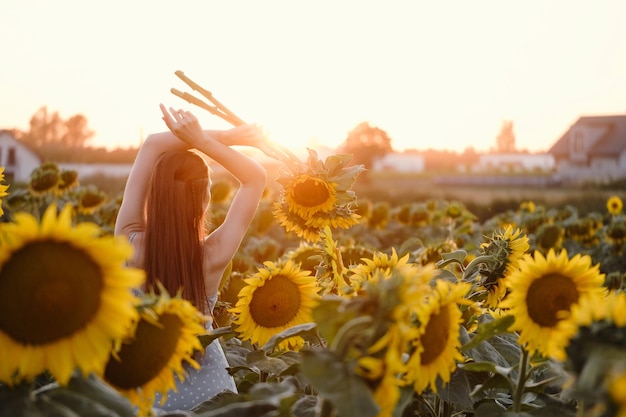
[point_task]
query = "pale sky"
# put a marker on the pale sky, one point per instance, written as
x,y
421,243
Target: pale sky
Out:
x,y
432,74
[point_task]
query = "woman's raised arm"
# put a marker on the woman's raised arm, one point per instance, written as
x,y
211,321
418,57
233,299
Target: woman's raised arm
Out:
x,y
250,174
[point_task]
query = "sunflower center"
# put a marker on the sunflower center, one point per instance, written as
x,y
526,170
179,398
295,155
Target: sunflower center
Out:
x,y
435,337
310,193
276,303
148,354
549,295
48,291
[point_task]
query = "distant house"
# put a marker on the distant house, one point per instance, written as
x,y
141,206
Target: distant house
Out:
x,y
17,159
592,150
514,163
400,162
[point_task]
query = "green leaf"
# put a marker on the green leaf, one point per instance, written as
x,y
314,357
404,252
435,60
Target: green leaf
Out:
x,y
307,331
475,264
14,404
457,391
265,363
96,389
450,257
489,329
208,338
331,377
485,367
305,406
330,317
79,404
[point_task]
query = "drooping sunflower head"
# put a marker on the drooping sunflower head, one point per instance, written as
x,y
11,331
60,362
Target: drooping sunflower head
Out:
x,y
437,346
3,189
274,299
379,216
528,206
150,359
380,262
582,230
507,248
65,296
68,179
614,205
549,236
306,255
90,199
542,293
44,179
331,273
432,253
616,231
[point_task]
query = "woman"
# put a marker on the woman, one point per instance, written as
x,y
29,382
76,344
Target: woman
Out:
x,y
163,213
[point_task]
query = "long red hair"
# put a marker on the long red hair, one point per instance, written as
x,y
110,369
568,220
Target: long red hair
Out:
x,y
175,225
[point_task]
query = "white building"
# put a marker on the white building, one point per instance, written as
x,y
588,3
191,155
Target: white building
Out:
x,y
400,162
17,159
515,162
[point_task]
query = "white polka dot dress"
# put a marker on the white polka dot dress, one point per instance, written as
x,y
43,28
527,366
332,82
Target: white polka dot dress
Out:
x,y
200,385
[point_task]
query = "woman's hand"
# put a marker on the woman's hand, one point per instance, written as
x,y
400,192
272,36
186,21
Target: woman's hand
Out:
x,y
184,125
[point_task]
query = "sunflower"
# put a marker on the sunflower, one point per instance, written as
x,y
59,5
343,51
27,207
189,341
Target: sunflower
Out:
x,y
44,179
306,255
68,179
307,195
316,194
3,189
152,358
614,205
361,273
90,199
379,216
507,248
549,236
528,206
331,273
543,291
65,296
273,300
437,346
395,293
432,254
309,228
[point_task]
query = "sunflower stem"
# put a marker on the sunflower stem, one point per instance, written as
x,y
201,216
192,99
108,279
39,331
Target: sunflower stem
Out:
x,y
521,381
325,409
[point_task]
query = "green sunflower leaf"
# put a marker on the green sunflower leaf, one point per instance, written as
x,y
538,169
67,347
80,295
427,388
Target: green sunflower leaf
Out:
x,y
489,329
308,331
332,378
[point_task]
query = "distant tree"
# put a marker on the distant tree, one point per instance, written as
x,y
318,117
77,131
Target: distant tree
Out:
x,y
53,138
366,144
505,141
45,128
77,134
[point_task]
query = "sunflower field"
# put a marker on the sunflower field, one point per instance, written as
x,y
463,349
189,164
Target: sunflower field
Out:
x,y
335,305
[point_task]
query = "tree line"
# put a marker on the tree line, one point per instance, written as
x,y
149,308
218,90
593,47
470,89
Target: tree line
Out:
x,y
67,140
